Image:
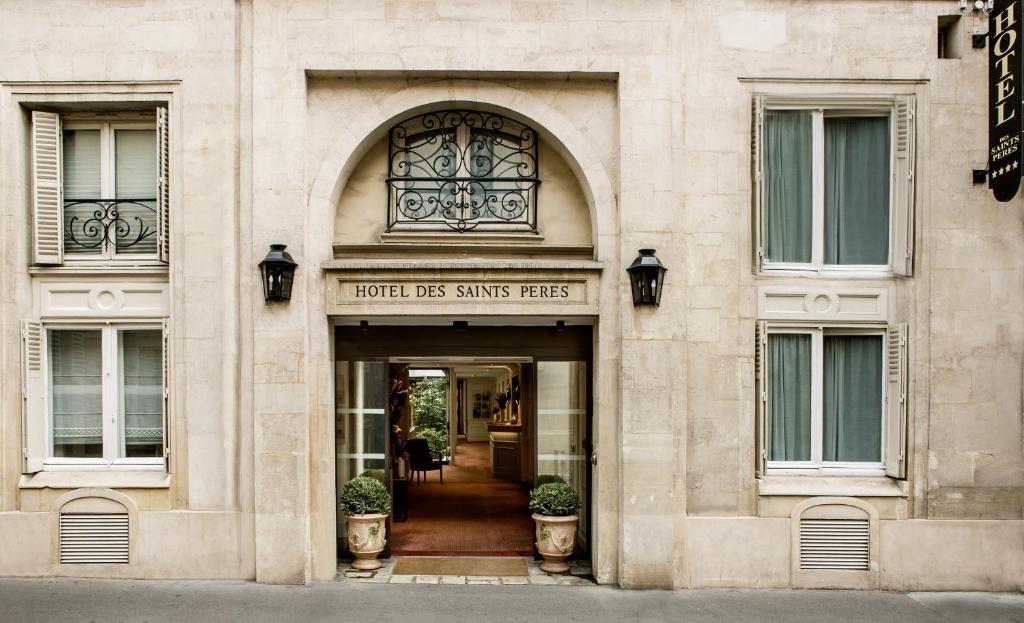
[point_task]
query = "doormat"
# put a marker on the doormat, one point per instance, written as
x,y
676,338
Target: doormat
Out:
x,y
436,565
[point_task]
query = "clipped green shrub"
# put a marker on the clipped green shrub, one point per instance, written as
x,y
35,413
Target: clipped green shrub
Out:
x,y
365,496
554,499
437,440
544,479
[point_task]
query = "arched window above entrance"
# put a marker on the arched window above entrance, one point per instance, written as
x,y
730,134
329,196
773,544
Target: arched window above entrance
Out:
x,y
461,171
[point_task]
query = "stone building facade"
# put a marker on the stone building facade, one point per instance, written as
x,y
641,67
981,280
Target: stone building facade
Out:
x,y
271,122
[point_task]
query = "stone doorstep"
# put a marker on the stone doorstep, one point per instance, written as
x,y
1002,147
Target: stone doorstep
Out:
x,y
578,575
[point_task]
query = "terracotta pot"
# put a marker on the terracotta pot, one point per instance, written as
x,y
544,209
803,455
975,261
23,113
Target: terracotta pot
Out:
x,y
366,540
556,538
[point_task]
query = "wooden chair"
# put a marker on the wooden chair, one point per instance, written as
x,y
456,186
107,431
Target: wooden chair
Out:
x,y
422,460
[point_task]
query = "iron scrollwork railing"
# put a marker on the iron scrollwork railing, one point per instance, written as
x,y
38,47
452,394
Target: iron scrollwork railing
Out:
x,y
102,225
462,170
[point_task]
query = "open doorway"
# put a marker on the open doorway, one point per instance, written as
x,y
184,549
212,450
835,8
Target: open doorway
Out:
x,y
460,427
464,494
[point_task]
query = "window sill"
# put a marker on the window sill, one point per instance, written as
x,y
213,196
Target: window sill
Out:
x,y
455,238
847,486
855,274
100,269
105,479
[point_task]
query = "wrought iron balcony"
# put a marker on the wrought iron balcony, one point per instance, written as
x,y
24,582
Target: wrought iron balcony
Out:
x,y
462,170
96,225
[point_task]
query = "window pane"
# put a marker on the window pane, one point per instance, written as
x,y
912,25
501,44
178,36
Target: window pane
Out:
x,y
76,373
135,178
789,397
429,155
82,180
857,190
82,164
852,425
788,190
142,383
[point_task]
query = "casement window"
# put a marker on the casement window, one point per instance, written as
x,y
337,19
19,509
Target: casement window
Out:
x,y
831,400
833,185
95,396
461,171
100,188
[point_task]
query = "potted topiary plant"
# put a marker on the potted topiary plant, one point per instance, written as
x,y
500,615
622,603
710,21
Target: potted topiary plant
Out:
x,y
366,504
554,506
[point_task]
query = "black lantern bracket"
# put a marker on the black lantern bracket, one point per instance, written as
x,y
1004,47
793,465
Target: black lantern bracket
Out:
x,y
646,278
278,272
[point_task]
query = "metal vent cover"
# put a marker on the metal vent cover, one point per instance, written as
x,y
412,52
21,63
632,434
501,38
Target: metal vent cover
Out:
x,y
93,538
835,544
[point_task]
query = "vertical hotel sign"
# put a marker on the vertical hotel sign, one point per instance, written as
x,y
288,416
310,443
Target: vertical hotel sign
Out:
x,y
1004,123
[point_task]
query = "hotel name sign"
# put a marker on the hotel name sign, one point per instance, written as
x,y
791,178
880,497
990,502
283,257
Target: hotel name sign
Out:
x,y
1005,111
453,290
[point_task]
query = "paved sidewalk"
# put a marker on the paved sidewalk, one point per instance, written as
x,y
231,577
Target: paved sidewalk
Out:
x,y
111,601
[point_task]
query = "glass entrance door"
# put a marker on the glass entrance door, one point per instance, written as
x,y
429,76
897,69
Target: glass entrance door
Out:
x,y
360,424
562,439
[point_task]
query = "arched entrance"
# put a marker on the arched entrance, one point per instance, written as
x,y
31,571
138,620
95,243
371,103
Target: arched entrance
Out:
x,y
329,305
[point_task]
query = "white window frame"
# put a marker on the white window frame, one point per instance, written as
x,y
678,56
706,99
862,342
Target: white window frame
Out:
x,y
816,466
817,264
112,392
108,185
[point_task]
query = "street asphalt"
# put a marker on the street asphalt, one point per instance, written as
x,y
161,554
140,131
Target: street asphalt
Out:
x,y
113,601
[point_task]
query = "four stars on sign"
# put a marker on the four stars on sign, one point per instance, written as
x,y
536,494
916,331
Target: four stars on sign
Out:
x,y
1003,170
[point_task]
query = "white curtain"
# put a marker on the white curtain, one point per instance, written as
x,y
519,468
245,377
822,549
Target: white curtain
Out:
x,y
135,177
82,180
76,374
142,382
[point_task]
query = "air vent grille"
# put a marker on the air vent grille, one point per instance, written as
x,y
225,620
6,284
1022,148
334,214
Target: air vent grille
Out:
x,y
93,538
835,544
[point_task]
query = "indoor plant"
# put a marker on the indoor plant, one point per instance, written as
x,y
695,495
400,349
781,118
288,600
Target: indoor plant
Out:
x,y
554,507
366,504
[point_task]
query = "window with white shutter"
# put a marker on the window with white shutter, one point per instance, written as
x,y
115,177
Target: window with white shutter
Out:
x,y
101,187
833,184
95,395
47,189
33,391
896,402
831,400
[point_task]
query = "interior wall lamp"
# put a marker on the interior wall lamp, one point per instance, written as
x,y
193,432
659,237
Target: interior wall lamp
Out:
x,y
278,272
646,277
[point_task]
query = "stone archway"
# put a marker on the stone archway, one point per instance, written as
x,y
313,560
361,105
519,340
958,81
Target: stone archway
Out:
x,y
361,132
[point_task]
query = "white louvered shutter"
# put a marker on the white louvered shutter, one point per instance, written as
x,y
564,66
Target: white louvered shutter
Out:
x,y
47,189
163,194
165,368
757,180
896,402
761,395
903,185
34,396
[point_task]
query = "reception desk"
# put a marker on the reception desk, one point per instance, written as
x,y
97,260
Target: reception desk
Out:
x,y
506,440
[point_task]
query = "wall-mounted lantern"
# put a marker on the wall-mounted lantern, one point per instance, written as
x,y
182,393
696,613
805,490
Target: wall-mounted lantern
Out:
x,y
278,270
646,276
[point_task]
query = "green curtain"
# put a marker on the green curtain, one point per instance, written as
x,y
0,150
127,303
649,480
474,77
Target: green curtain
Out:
x,y
857,190
852,421
789,397
787,166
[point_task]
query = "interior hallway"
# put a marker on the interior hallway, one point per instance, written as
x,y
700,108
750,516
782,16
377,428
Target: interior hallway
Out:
x,y
471,514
